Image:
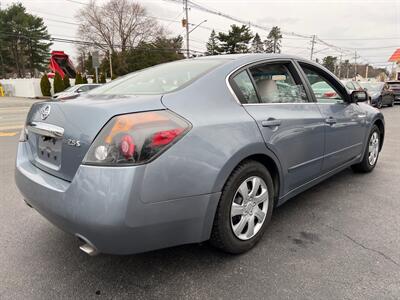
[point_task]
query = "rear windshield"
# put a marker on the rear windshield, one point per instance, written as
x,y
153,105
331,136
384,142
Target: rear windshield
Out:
x,y
159,79
395,85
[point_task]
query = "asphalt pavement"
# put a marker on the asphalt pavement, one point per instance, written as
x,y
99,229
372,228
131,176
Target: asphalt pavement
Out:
x,y
339,240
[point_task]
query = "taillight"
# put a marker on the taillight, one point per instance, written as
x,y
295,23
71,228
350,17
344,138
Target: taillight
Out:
x,y
136,138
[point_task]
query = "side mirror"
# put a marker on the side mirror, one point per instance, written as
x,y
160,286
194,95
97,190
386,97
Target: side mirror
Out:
x,y
358,96
79,91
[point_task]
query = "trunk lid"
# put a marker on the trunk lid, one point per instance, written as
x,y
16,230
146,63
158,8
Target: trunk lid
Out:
x,y
73,125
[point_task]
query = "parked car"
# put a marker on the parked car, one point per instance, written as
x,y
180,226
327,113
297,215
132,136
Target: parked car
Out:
x,y
395,87
324,90
380,93
352,85
192,150
75,90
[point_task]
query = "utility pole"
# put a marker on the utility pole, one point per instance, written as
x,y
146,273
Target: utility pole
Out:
x,y
355,64
187,28
340,65
366,72
312,46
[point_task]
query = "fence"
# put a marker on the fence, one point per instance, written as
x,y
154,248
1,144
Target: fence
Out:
x,y
24,87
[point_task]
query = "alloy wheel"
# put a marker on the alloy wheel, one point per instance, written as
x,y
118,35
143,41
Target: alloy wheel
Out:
x,y
249,208
373,148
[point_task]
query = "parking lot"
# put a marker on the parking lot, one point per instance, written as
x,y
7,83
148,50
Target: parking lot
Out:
x,y
339,240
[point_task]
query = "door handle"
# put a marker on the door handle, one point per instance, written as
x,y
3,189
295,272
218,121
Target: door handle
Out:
x,y
330,121
271,122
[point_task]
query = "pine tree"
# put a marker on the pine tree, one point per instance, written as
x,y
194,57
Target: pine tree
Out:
x,y
58,83
212,44
67,84
24,42
273,42
236,41
257,45
78,78
84,80
45,86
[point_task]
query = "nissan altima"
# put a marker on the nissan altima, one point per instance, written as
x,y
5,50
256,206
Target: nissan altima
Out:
x,y
193,150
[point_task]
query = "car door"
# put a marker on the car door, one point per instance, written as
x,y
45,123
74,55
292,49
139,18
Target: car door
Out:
x,y
345,122
291,125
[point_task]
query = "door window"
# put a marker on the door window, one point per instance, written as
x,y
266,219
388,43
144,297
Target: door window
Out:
x,y
324,91
244,88
276,84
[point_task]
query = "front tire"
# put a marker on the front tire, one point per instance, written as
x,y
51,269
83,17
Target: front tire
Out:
x,y
379,104
371,154
245,208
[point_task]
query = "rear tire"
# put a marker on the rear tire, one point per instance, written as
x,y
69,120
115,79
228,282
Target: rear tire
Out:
x,y
391,103
245,208
371,154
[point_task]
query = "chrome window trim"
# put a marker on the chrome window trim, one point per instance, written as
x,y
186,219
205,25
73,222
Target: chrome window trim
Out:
x,y
244,67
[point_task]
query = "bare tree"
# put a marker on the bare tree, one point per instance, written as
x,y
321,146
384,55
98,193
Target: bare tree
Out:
x,y
117,24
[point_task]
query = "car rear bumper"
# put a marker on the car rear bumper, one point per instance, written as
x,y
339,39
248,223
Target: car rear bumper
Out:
x,y
102,205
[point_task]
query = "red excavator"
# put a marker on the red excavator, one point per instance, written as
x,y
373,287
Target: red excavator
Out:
x,y
60,63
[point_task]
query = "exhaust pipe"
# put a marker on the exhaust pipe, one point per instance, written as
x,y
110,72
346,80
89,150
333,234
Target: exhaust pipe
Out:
x,y
89,249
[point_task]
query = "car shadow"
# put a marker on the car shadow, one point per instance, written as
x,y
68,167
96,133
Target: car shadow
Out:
x,y
147,271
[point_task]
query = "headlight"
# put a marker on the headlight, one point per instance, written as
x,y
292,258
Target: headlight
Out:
x,y
136,138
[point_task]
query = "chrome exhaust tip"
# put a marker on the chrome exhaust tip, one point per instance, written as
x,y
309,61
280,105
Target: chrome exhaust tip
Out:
x,y
89,249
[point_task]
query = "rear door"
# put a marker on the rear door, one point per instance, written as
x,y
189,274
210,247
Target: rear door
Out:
x,y
345,123
292,125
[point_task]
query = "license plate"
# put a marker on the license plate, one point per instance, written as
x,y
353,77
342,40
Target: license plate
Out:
x,y
49,151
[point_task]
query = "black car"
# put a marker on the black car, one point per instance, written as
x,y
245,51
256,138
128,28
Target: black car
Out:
x,y
395,87
380,93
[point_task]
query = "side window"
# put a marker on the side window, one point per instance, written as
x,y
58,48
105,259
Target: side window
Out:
x,y
323,90
276,84
244,88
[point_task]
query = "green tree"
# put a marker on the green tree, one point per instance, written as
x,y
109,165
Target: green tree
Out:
x,y
161,50
257,45
273,41
66,81
236,40
84,80
212,44
94,80
45,86
329,62
78,78
103,78
58,83
24,42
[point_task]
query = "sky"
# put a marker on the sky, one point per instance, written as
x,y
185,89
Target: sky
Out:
x,y
370,27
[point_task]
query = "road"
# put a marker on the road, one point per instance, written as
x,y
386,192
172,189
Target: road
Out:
x,y
339,240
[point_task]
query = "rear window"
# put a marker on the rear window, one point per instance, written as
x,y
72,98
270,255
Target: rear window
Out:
x,y
394,85
159,79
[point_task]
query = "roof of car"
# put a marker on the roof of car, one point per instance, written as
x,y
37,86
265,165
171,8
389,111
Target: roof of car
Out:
x,y
250,56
